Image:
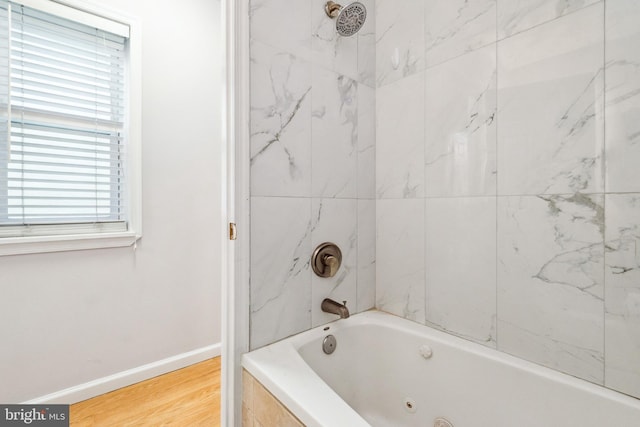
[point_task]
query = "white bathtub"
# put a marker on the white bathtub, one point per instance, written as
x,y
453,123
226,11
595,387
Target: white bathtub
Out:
x,y
378,376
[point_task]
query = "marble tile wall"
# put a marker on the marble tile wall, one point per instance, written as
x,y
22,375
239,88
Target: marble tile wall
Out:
x,y
312,164
507,185
476,161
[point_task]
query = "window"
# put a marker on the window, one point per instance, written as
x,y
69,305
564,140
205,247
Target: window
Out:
x,y
66,148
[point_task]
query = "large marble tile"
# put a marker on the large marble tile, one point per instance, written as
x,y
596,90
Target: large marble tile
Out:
x,y
400,271
622,95
334,135
367,46
515,16
400,139
366,255
460,126
335,220
280,123
550,290
399,39
330,50
550,96
280,268
366,142
455,27
292,19
461,266
622,278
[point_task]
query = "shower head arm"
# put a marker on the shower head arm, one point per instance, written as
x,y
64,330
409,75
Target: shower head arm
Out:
x,y
332,9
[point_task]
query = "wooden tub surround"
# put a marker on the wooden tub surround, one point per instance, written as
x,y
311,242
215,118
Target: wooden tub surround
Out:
x,y
261,409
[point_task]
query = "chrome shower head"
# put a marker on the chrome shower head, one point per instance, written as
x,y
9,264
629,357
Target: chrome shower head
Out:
x,y
349,19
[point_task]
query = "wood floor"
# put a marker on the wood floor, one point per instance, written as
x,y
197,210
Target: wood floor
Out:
x,y
187,397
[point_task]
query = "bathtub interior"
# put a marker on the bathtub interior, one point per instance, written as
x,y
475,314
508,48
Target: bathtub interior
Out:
x,y
380,371
369,383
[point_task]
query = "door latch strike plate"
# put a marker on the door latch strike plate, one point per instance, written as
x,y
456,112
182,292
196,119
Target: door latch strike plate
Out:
x,y
233,231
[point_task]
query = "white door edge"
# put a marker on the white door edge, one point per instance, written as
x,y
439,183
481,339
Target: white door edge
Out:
x,y
235,275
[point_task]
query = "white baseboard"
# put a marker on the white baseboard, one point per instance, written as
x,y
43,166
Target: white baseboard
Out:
x,y
122,379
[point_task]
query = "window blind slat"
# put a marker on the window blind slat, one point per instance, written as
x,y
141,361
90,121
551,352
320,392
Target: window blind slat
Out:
x,y
53,149
61,184
27,47
101,96
94,70
27,95
66,81
56,196
25,74
62,116
44,169
27,99
63,41
105,148
55,193
72,160
62,219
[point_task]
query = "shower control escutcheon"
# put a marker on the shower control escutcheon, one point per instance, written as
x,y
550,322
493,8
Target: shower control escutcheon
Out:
x,y
326,259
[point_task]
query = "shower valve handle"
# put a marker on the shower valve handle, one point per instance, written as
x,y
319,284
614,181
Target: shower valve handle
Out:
x,y
331,265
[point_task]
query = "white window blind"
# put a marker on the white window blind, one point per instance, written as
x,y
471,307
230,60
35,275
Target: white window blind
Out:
x,y
62,125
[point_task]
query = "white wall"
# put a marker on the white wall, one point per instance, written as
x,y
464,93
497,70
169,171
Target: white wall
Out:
x,y
73,317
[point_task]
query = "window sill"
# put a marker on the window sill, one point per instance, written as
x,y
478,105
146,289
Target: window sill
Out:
x,y
44,244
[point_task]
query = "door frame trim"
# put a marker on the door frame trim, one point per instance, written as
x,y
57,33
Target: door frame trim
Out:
x,y
235,275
